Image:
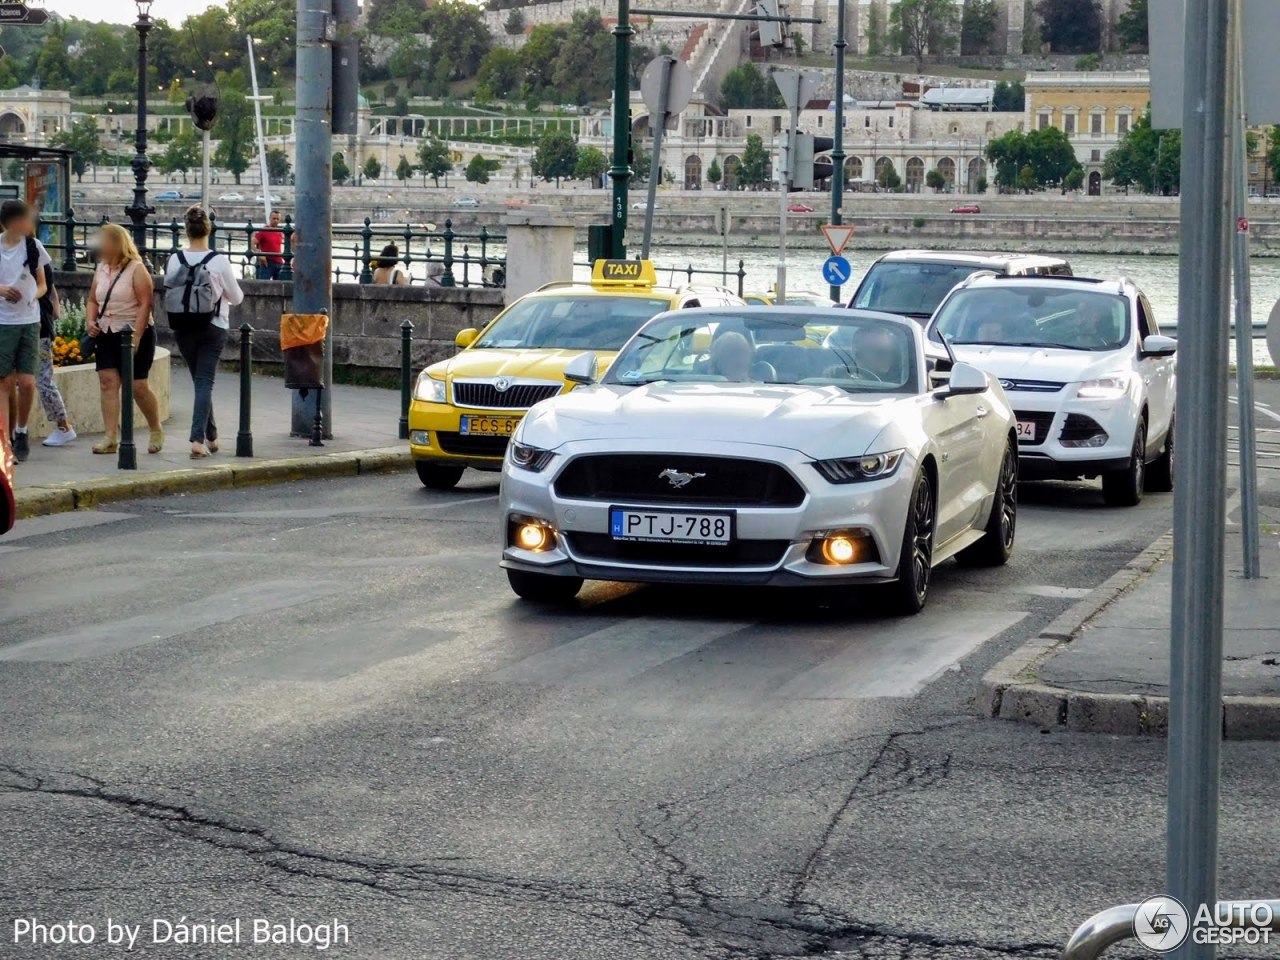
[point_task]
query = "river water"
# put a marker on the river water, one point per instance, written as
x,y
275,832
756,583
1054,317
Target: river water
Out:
x,y
1157,276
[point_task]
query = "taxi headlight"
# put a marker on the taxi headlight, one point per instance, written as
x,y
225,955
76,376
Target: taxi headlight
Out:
x,y
1104,388
533,459
429,389
872,466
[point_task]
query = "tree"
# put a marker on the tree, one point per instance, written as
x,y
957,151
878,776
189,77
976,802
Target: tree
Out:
x,y
182,154
278,167
53,64
887,176
458,36
583,67
390,18
591,166
980,185
1273,153
272,24
714,173
556,155
1026,179
1009,97
923,27
754,168
404,169
82,137
1146,158
1047,154
1071,26
1131,28
875,31
1075,179
935,180
745,87
501,73
479,168
234,130
372,168
434,160
514,24
341,172
978,26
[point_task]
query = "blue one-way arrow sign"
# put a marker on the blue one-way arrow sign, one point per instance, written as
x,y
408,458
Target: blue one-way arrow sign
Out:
x,y
836,271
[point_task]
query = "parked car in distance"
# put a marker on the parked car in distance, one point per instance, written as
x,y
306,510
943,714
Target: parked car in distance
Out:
x,y
911,283
515,202
1089,377
796,207
642,205
231,198
967,208
795,298
167,195
274,199
466,202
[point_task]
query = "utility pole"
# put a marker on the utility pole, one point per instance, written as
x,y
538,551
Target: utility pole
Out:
x,y
837,146
620,172
313,230
257,99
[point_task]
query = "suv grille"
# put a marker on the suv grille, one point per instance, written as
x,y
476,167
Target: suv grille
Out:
x,y
1043,422
741,553
642,478
463,444
518,396
1032,386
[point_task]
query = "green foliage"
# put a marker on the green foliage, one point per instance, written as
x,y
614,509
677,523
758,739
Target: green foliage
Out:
x,y
1273,156
1089,61
555,157
980,185
1071,26
278,167
923,27
272,24
1009,97
82,137
1032,41
935,180
714,173
341,172
562,62
1131,28
459,37
501,73
754,168
1147,158
1075,179
514,24
887,176
234,130
590,166
1026,179
1047,154
182,154
875,32
404,169
434,160
478,169
372,168
918,222
393,18
746,87
978,26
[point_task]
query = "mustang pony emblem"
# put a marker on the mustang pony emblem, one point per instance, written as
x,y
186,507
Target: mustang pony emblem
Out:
x,y
678,478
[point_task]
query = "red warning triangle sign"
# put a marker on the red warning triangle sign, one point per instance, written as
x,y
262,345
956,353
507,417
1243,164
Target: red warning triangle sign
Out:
x,y
837,236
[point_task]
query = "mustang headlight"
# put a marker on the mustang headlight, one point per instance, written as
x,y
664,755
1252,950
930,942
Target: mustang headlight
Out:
x,y
1105,388
533,459
872,466
429,389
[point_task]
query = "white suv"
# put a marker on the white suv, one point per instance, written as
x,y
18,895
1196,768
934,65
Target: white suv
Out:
x,y
1089,376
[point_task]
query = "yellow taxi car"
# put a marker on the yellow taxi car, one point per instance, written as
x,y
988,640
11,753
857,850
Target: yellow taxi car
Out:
x,y
465,409
796,298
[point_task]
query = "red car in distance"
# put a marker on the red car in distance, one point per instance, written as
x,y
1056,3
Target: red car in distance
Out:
x,y
967,208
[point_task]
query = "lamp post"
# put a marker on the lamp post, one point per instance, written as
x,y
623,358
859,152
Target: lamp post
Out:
x,y
138,211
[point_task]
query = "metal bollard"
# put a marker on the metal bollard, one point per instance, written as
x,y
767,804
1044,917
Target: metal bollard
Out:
x,y
406,376
317,425
128,453
244,439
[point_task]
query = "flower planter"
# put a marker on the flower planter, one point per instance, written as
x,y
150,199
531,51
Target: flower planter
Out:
x,y
79,386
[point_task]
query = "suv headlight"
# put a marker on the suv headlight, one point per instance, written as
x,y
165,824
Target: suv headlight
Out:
x,y
429,389
1105,388
533,459
872,466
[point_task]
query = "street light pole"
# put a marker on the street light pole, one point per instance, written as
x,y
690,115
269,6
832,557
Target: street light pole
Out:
x,y
837,141
620,172
138,211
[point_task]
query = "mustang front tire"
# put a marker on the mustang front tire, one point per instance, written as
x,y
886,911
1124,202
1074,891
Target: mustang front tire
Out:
x,y
541,588
996,545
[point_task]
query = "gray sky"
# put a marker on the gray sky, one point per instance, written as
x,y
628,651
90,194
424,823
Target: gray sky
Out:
x,y
125,11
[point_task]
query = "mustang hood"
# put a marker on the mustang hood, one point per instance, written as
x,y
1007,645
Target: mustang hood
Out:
x,y
1037,363
539,364
819,422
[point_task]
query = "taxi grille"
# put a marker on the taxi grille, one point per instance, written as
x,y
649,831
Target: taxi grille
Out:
x,y
463,445
1043,422
741,553
518,396
644,478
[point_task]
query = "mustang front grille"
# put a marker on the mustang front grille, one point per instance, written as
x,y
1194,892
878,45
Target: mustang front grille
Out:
x,y
741,553
679,478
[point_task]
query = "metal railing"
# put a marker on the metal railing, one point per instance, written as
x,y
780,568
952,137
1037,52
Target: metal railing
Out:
x,y
465,259
1109,927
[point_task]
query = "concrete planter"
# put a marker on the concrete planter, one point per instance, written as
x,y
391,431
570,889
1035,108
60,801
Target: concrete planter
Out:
x,y
79,386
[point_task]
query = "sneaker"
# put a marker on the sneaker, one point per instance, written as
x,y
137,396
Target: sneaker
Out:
x,y
60,437
21,447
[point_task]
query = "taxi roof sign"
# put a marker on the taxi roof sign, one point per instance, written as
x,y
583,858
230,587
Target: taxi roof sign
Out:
x,y
624,273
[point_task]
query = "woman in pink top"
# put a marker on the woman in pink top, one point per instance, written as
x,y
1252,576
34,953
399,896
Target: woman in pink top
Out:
x,y
121,296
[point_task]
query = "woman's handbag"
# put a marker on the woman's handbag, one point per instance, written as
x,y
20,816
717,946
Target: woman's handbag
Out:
x,y
89,342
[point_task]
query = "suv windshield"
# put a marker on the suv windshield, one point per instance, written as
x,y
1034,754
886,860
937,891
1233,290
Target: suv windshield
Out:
x,y
912,289
1030,316
582,322
819,349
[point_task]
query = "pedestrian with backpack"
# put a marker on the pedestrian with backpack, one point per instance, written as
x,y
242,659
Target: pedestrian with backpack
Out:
x,y
200,290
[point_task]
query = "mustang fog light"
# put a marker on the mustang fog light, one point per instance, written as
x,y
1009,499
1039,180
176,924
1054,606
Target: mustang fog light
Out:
x,y
529,533
420,438
843,547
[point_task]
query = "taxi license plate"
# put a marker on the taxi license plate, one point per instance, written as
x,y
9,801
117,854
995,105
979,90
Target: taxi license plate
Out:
x,y
1026,430
489,426
671,526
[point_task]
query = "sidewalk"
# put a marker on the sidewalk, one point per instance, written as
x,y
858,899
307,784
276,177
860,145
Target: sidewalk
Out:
x,y
366,439
1104,666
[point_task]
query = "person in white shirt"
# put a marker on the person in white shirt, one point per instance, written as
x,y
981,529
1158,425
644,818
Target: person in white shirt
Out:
x,y
21,287
202,348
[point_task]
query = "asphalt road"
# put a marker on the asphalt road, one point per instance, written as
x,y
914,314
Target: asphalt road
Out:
x,y
321,701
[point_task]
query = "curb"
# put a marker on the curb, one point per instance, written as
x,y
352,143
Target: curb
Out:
x,y
85,494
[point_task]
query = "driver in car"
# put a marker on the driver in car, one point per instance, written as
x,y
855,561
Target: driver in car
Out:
x,y
1096,326
731,356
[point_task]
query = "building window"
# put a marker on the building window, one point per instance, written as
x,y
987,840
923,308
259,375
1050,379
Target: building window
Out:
x,y
891,123
820,121
1069,124
1095,124
1122,124
1042,121
1095,156
866,123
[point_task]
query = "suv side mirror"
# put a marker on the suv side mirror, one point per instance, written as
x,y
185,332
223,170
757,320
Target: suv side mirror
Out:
x,y
966,380
581,369
1158,346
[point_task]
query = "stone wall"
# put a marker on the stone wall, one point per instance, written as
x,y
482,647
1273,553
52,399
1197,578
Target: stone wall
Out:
x,y
366,319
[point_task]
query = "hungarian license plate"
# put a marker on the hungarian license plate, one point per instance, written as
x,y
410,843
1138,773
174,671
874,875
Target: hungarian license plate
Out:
x,y
1026,430
671,526
489,426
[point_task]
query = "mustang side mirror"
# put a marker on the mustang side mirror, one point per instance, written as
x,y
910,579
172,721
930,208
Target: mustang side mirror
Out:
x,y
965,381
1158,346
467,337
581,369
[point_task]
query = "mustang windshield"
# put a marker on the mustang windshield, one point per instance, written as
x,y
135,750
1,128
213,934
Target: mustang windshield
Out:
x,y
909,289
819,349
1033,316
570,323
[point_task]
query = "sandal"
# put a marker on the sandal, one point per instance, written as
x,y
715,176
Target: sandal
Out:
x,y
157,441
109,444
199,453
213,446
